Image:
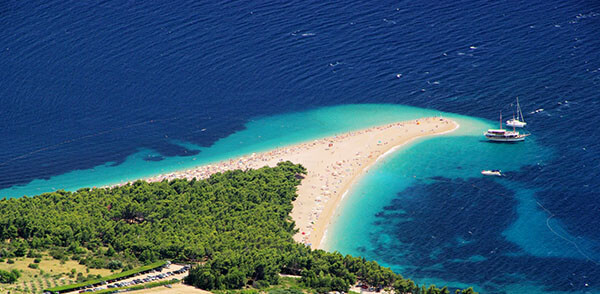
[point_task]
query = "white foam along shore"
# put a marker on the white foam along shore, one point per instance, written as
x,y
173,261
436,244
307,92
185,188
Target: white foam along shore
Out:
x,y
333,164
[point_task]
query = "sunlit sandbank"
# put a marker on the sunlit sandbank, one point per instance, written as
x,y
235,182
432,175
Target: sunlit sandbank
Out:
x,y
332,163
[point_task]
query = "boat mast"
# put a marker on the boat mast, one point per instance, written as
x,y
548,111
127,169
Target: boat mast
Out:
x,y
519,111
501,120
513,122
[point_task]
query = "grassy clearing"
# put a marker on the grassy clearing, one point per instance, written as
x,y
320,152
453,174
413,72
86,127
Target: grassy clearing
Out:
x,y
50,272
288,283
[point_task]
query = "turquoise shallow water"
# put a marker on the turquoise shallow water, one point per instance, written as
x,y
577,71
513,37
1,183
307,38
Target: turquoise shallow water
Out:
x,y
101,92
259,134
426,211
423,210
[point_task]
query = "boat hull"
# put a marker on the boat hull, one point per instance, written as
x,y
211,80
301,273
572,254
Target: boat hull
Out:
x,y
506,139
504,136
516,124
500,139
491,173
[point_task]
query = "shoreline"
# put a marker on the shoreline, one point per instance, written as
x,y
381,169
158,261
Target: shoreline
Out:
x,y
333,165
355,180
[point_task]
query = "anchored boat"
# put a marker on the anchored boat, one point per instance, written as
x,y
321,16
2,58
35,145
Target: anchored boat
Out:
x,y
519,121
494,172
502,135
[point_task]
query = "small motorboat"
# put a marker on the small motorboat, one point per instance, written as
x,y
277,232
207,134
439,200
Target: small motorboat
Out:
x,y
493,172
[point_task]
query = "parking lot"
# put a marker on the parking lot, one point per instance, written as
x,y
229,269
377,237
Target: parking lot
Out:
x,y
173,271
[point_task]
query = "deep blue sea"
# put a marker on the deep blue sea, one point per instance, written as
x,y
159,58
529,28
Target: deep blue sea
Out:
x,y
100,92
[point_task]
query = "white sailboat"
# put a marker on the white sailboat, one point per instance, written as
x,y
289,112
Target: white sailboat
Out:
x,y
519,121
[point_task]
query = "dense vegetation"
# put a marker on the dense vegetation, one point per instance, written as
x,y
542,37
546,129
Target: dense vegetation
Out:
x,y
236,225
9,276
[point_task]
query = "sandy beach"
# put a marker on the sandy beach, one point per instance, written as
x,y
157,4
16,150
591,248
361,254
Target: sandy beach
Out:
x,y
175,289
333,164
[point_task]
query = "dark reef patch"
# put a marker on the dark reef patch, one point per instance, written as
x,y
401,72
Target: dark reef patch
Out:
x,y
453,231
